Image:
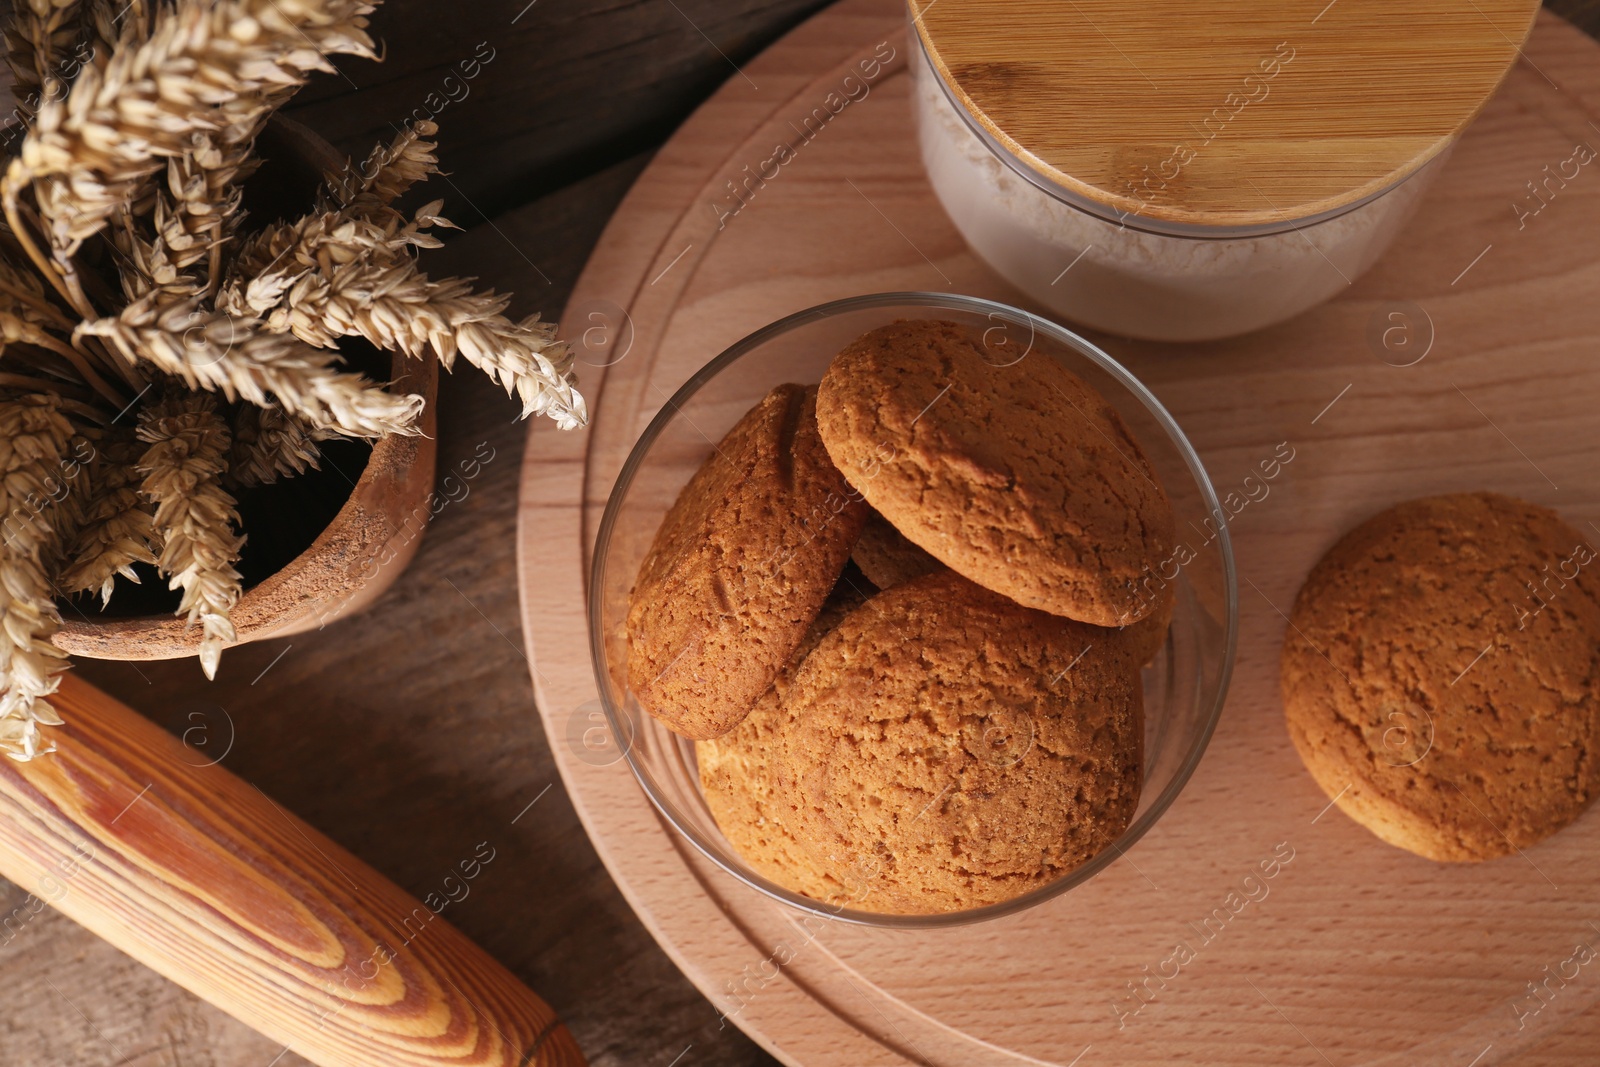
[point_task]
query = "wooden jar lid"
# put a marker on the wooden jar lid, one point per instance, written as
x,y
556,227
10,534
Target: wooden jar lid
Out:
x,y
1233,112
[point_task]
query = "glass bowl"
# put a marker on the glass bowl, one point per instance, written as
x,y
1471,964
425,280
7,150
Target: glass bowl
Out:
x,y
1184,685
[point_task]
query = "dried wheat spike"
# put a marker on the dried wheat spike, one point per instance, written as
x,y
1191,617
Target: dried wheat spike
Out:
x,y
209,67
69,490
233,356
34,443
118,529
196,211
146,267
40,38
109,24
386,174
332,276
195,517
269,443
22,294
274,257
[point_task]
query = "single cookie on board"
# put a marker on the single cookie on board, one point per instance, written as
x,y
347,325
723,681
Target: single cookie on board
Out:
x,y
739,568
1001,463
740,783
1441,676
886,558
944,748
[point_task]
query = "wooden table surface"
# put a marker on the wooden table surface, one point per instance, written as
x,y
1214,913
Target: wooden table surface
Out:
x,y
409,734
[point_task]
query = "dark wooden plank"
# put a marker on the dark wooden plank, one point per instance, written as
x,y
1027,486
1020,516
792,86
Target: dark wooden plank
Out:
x,y
570,86
1584,14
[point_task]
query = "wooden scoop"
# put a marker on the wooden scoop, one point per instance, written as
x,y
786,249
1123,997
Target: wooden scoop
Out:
x,y
200,876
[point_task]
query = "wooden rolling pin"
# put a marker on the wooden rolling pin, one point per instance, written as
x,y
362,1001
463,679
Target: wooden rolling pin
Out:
x,y
201,877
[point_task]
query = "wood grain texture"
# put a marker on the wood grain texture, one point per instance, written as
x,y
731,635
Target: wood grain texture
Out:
x,y
352,561
407,734
338,729
1358,953
346,569
202,877
1584,14
1237,113
403,733
559,88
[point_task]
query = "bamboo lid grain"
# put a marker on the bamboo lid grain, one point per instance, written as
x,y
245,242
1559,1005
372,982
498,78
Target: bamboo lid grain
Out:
x,y
1229,113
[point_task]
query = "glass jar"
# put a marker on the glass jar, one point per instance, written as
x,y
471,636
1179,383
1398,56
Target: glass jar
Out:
x,y
1131,248
1184,686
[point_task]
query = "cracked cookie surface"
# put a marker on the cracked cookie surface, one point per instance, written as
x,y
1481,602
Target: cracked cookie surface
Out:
x,y
943,748
886,557
739,778
739,568
1001,463
1441,676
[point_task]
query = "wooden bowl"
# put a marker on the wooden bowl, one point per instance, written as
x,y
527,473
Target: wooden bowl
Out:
x,y
369,541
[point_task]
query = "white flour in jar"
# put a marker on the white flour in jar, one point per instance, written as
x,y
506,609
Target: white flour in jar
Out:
x,y
1133,282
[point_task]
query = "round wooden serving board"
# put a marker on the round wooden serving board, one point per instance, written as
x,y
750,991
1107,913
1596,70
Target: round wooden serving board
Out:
x,y
1464,360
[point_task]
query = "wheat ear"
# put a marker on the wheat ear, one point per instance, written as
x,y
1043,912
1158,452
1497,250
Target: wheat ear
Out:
x,y
269,443
334,276
219,352
195,517
34,445
386,173
207,68
109,23
196,211
118,528
40,34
